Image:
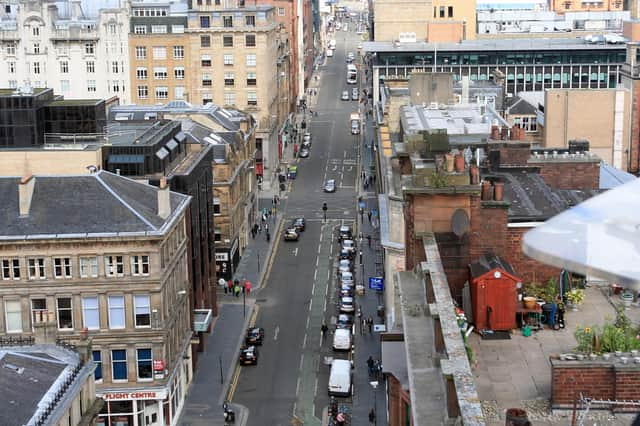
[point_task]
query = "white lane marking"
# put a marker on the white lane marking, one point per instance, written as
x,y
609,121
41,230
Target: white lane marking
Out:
x,y
315,275
345,154
319,248
324,309
298,386
275,333
315,391
310,304
295,252
317,260
334,168
304,342
321,235
300,368
308,318
313,287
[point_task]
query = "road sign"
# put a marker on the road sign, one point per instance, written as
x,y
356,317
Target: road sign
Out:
x,y
376,283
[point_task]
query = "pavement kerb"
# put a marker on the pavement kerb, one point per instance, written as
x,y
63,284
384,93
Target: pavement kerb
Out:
x,y
273,250
224,394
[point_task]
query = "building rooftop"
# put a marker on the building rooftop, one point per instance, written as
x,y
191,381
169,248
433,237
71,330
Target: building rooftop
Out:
x,y
96,205
142,133
526,103
492,45
34,91
31,377
75,102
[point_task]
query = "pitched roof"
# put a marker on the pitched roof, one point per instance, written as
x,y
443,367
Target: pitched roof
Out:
x,y
100,203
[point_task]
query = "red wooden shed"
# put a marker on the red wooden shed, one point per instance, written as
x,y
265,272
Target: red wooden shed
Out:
x,y
493,293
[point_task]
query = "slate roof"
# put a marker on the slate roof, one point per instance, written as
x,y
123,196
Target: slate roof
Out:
x,y
98,203
488,262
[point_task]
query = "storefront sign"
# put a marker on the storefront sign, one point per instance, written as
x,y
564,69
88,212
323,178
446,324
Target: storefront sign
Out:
x,y
141,394
222,257
158,365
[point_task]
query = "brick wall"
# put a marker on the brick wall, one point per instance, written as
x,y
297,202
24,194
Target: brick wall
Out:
x,y
634,154
608,380
569,175
528,269
512,154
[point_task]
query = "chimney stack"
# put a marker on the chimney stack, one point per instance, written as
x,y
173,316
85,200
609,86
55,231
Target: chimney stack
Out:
x,y
465,90
25,194
45,327
164,199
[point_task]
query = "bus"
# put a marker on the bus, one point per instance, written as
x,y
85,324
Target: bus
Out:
x,y
352,74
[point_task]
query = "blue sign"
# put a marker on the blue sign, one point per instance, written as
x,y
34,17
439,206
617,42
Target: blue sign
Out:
x,y
361,204
376,283
374,212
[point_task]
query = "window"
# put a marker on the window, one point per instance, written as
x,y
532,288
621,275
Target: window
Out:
x,y
113,29
450,12
207,98
227,21
62,267
97,360
36,48
36,67
38,310
160,73
178,52
179,92
251,79
13,84
119,364
229,79
205,60
62,51
250,20
228,59
10,269
158,29
251,60
206,79
140,29
65,313
90,313
91,67
250,40
88,267
205,22
115,68
178,73
217,233
227,41
143,92
281,11
159,52
36,268
162,92
141,73
205,41
115,86
11,67
145,361
35,30
216,206
64,67
252,98
141,52
442,11
142,310
91,86
65,86
11,49
177,29
140,265
89,48
116,312
13,316
229,98
114,266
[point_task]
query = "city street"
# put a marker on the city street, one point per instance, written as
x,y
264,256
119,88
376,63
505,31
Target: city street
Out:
x,y
290,380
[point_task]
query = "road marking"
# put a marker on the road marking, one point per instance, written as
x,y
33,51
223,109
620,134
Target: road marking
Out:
x,y
334,168
321,237
315,274
350,168
324,309
319,248
275,333
344,154
308,318
317,260
295,252
310,304
304,341
300,368
313,287
315,393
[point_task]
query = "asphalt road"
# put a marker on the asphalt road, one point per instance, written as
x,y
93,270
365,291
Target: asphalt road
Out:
x,y
290,380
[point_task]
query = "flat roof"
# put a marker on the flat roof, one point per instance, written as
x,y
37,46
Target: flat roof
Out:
x,y
492,45
15,92
75,102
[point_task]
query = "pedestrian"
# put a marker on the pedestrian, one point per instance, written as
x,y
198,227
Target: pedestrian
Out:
x,y
259,229
247,285
236,290
242,286
324,329
273,210
370,364
362,215
370,324
372,416
369,216
369,240
230,286
223,283
268,236
266,227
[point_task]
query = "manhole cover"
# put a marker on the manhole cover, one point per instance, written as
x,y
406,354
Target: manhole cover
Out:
x,y
260,300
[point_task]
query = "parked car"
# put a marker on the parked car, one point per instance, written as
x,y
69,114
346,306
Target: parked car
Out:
x,y
290,234
299,223
347,305
346,254
349,245
249,355
306,138
345,233
330,186
354,94
342,340
345,265
347,278
306,144
255,336
345,290
344,321
304,153
351,55
345,95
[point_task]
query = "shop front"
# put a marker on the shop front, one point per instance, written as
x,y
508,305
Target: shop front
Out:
x,y
227,260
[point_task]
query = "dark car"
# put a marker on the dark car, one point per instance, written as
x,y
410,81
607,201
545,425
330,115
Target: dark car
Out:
x,y
299,223
249,355
345,233
330,186
304,153
255,336
344,321
291,234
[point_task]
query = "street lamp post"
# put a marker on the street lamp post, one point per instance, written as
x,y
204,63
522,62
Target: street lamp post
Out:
x,y
374,385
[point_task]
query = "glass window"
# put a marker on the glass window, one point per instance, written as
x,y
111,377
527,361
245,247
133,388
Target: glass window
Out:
x,y
64,313
227,21
228,59
162,92
97,360
13,316
251,79
140,265
36,268
250,40
205,41
141,52
35,31
160,73
119,364
140,29
179,92
91,86
115,67
252,98
142,310
64,67
65,86
36,67
229,99
251,60
62,267
141,73
450,12
114,265
38,310
177,29
145,361
205,22
205,60
216,206
89,48
250,20
90,313
281,11
158,29
178,73
88,266
159,52
143,92
442,11
229,79
178,52
206,79
227,41
10,269
116,312
11,49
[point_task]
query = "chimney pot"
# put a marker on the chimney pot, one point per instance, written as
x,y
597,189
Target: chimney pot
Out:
x,y
164,199
25,194
498,190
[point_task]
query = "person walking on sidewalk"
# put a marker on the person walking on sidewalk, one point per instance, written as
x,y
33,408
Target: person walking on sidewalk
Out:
x,y
324,330
236,290
230,286
268,236
370,364
369,216
372,416
369,239
370,324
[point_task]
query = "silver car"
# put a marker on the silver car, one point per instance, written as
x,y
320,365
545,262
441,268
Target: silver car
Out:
x,y
330,186
345,95
347,305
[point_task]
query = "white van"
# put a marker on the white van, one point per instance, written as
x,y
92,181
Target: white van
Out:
x,y
340,378
332,43
342,339
329,53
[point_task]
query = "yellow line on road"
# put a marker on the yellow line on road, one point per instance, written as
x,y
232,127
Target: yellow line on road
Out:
x,y
236,374
274,250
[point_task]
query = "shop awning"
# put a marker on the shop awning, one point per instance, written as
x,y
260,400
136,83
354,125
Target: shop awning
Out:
x,y
201,319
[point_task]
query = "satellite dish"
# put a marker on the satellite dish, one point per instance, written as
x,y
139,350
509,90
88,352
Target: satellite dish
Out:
x,y
459,222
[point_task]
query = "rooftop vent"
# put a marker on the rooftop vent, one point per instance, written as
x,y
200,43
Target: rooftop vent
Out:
x,y
15,369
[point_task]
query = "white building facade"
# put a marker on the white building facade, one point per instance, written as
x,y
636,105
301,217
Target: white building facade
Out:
x,y
77,47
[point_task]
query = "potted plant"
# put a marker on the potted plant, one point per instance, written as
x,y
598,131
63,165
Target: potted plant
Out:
x,y
575,297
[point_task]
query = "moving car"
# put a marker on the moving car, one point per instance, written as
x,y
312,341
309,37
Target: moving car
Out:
x,y
249,355
344,321
354,94
345,95
345,233
330,186
290,234
347,305
351,56
342,340
255,336
304,153
299,223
